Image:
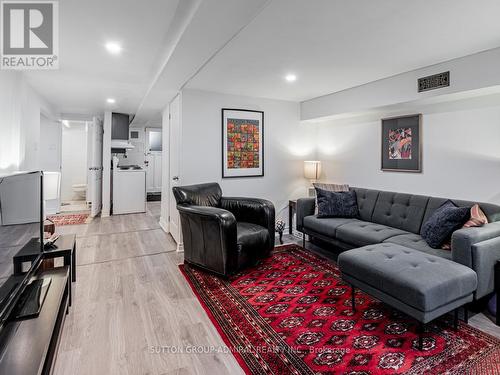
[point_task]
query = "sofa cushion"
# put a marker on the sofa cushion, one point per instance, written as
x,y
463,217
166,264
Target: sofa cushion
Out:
x,y
366,202
336,204
402,211
415,241
251,236
361,233
325,226
422,281
443,222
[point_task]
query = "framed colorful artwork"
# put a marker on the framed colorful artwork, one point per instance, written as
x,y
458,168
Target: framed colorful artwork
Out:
x,y
242,143
401,144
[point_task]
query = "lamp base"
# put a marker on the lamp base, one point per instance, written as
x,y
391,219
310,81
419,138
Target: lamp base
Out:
x,y
311,191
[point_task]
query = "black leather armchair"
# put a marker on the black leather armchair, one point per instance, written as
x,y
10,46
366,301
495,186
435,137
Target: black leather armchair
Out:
x,y
222,234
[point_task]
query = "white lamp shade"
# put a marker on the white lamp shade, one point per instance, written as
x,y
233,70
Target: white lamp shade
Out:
x,y
312,169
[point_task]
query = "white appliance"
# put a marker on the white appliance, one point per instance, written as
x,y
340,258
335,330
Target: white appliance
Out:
x,y
129,190
118,143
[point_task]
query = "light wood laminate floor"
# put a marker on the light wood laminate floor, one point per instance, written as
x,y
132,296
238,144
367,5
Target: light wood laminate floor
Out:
x,y
131,298
132,305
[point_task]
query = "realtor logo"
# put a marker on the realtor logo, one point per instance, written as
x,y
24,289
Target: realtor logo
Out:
x,y
29,35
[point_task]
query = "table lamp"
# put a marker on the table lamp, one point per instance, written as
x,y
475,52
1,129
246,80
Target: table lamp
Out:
x,y
312,171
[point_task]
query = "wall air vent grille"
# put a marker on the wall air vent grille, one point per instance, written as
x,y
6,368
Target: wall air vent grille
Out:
x,y
433,82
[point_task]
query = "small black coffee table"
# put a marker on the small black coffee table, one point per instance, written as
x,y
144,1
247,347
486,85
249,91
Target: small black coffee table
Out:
x,y
64,247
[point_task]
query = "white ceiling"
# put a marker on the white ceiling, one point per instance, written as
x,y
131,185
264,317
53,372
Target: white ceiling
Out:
x,y
87,73
247,47
332,45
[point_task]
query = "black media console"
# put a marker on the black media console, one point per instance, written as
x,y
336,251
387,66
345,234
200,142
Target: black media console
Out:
x,y
29,346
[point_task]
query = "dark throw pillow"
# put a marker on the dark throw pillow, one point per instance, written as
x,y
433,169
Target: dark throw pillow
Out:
x,y
443,222
336,204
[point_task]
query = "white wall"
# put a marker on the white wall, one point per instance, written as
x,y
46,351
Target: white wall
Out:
x,y
10,146
461,152
135,155
20,109
287,143
467,74
50,144
74,159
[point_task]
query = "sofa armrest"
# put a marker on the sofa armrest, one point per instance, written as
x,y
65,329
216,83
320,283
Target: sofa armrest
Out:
x,y
463,239
485,254
305,207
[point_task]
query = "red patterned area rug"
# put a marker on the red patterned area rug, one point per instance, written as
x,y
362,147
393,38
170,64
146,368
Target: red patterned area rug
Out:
x,y
292,314
69,219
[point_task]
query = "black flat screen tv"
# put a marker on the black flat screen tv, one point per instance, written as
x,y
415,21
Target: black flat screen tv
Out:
x,y
21,225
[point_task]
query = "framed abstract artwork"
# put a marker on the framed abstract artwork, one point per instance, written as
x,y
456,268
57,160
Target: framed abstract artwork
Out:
x,y
242,143
401,144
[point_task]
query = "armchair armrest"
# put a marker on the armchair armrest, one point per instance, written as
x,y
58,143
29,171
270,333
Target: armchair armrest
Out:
x,y
251,210
208,212
209,235
463,239
305,207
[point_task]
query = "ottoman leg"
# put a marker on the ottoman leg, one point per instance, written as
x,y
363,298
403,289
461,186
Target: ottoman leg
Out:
x,y
466,315
304,240
353,298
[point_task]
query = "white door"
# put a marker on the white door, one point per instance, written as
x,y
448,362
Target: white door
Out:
x,y
94,174
153,154
174,161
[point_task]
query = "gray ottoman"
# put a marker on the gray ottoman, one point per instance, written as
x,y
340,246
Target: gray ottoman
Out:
x,y
420,285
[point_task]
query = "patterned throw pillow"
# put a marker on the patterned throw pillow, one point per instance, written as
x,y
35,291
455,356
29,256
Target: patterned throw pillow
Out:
x,y
442,223
328,187
477,219
336,204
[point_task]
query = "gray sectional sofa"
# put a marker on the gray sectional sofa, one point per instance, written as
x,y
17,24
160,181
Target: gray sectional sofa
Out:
x,y
389,217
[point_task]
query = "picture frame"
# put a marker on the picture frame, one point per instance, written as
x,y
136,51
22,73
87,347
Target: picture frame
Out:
x,y
401,144
242,143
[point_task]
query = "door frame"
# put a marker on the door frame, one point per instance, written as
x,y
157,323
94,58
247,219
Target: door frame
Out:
x,y
165,173
94,126
170,184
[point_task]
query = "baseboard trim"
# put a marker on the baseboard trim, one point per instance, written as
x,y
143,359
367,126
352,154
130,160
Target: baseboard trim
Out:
x,y
180,247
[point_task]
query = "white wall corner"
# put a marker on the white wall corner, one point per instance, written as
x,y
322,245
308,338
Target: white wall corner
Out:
x,y
163,224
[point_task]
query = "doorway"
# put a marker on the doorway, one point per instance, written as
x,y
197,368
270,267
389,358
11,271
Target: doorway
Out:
x,y
153,162
74,159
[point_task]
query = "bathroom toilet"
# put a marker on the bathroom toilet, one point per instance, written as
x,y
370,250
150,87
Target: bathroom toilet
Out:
x,y
80,191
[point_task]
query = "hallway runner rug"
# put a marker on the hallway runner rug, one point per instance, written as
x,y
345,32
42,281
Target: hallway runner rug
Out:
x,y
68,219
292,314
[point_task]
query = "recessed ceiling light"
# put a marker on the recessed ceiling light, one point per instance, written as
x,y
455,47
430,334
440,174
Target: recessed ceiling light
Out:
x,y
291,77
114,48
111,100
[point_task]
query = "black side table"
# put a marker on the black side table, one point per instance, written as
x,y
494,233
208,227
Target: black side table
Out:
x,y
64,247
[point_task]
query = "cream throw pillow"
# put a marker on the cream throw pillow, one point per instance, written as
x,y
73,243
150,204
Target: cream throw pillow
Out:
x,y
328,187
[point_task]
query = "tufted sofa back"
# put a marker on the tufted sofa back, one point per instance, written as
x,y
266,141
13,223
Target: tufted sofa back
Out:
x,y
407,211
398,210
366,202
